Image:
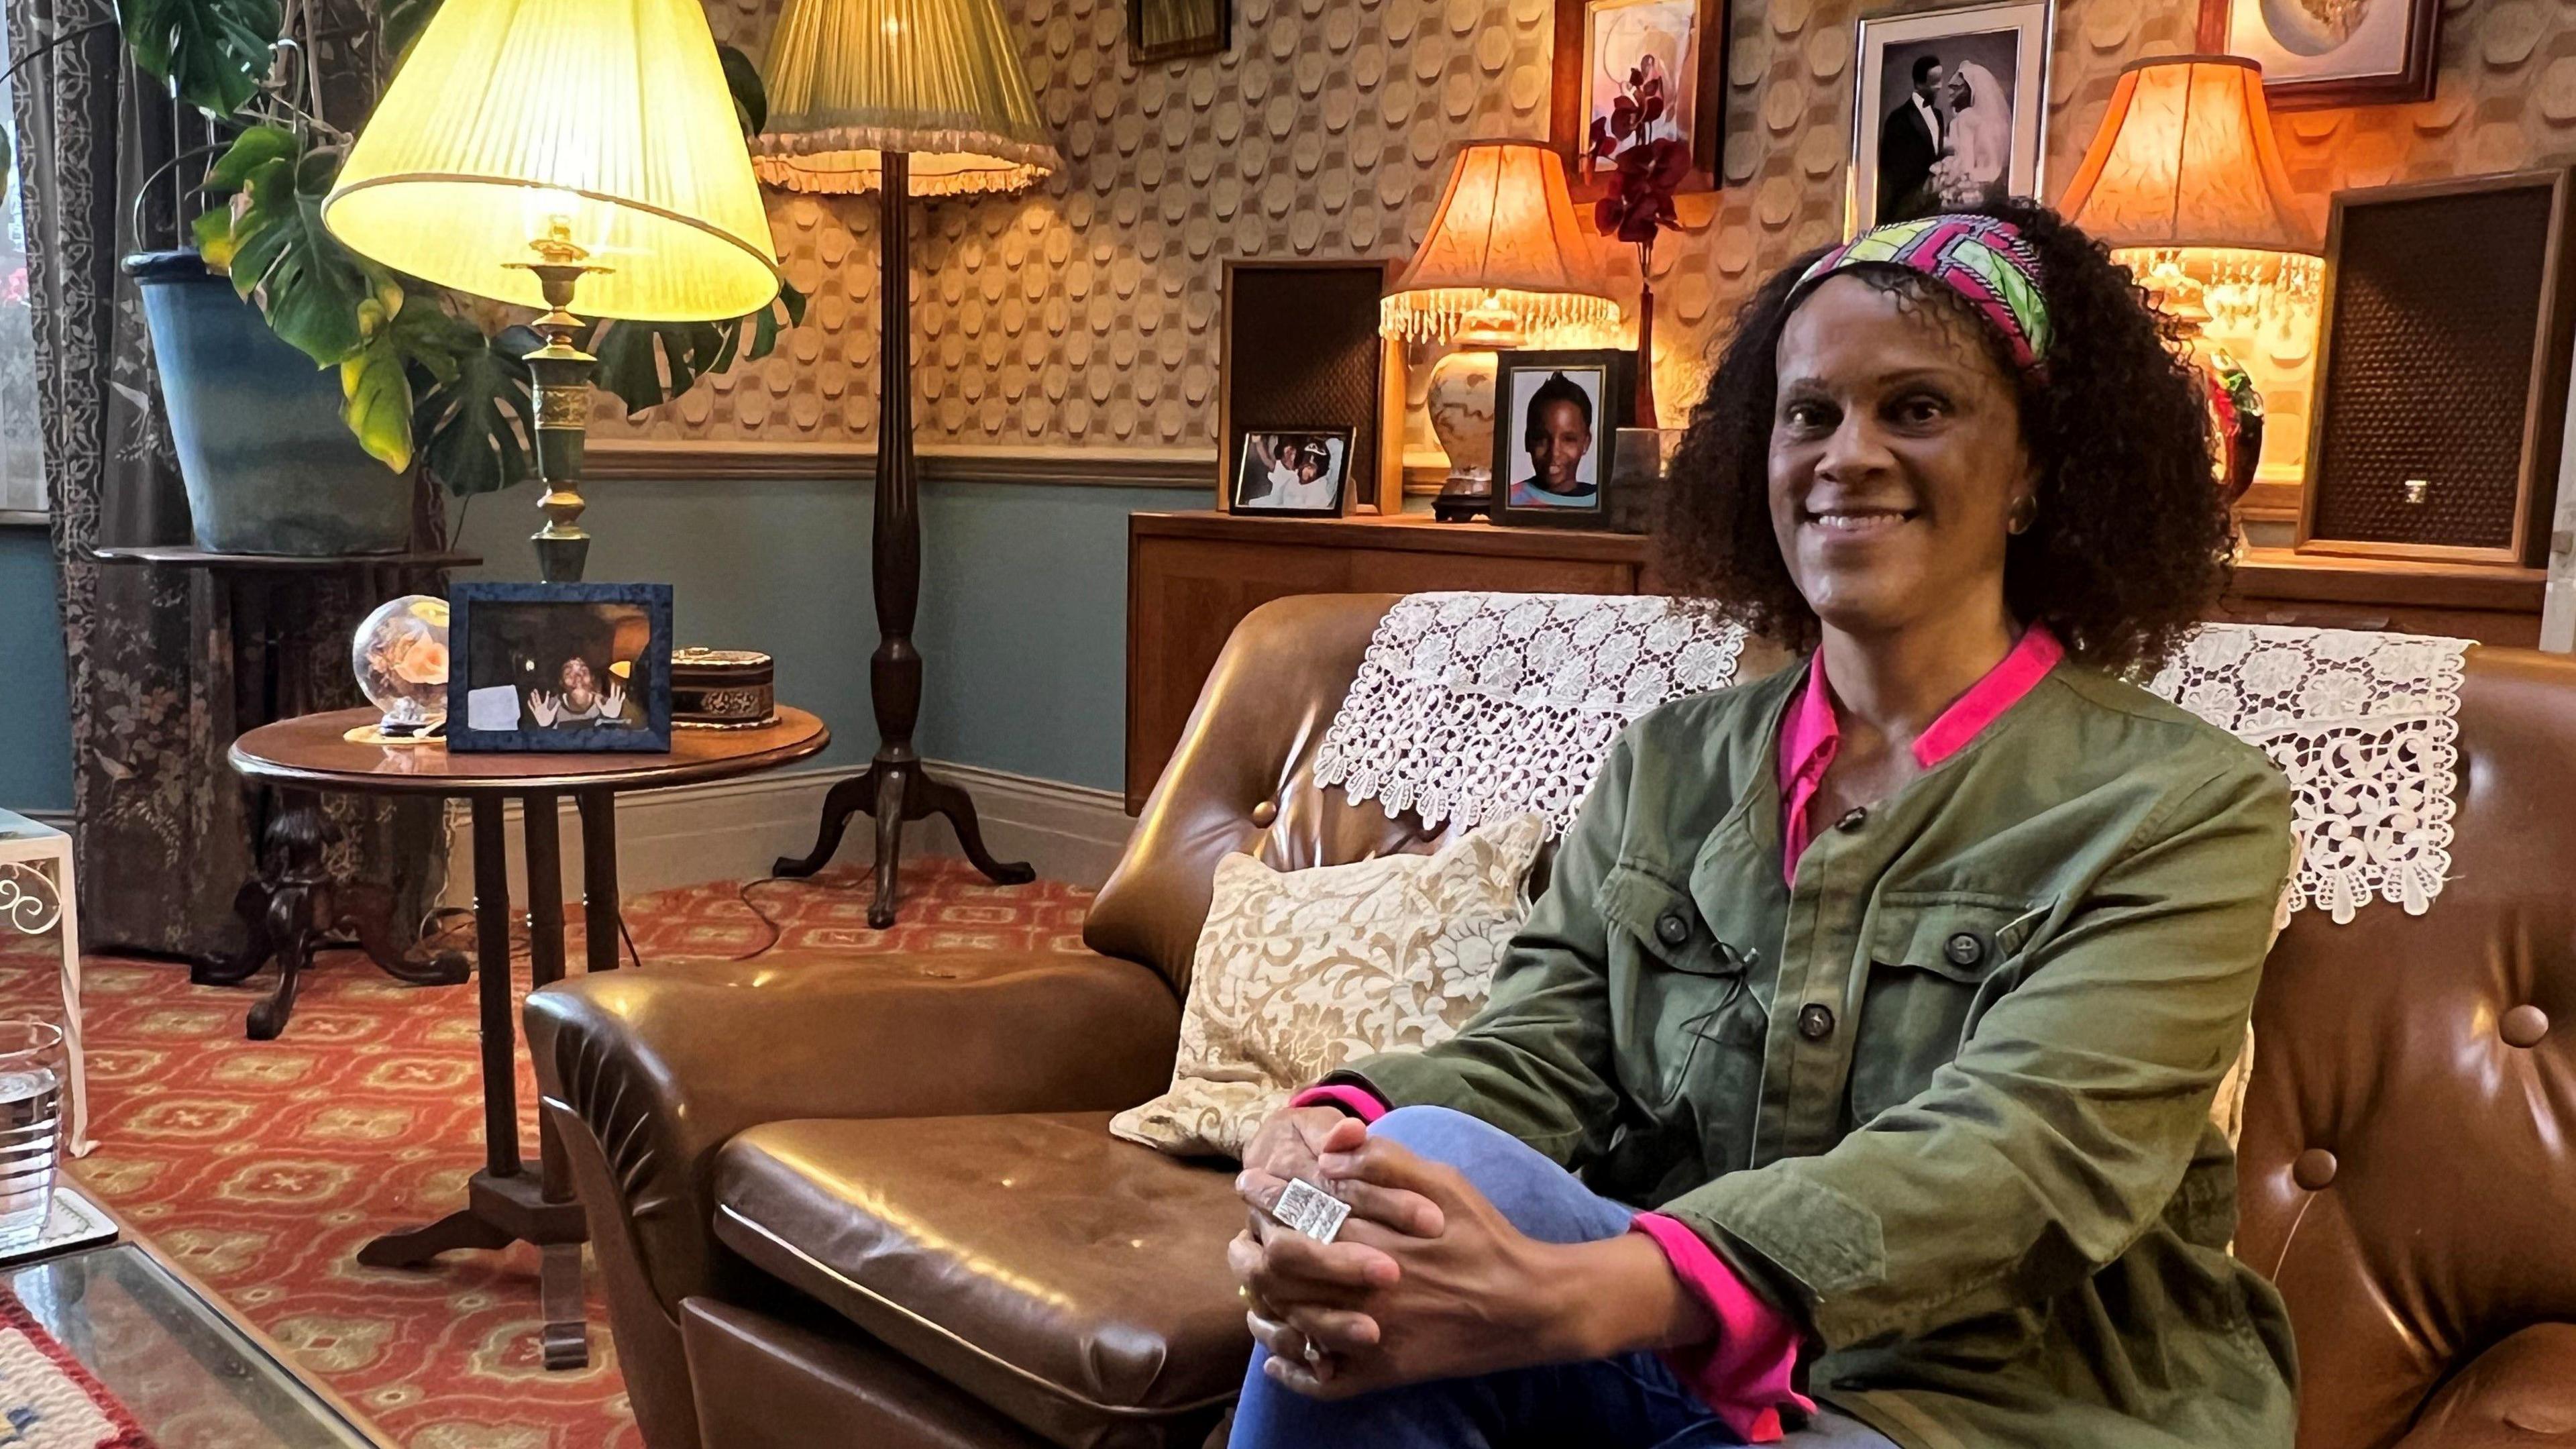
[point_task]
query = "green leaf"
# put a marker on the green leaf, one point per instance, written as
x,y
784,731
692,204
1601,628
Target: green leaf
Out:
x,y
213,54
378,406
476,424
635,357
249,151
402,22
310,286
750,97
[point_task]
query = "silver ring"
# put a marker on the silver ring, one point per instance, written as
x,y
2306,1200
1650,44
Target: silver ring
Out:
x,y
1314,1355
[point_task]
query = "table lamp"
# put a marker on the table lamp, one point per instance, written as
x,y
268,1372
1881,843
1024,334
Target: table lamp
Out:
x,y
2184,182
531,148
905,98
1503,258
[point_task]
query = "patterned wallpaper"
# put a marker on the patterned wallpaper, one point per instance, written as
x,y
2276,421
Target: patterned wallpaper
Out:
x,y
1084,314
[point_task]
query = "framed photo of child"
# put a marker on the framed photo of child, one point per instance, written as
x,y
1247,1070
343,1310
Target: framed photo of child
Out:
x,y
1554,417
572,667
1292,472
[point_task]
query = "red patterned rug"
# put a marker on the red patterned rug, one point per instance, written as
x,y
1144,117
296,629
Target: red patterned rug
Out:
x,y
260,1167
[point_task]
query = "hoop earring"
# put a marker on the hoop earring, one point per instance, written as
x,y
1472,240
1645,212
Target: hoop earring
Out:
x,y
2025,512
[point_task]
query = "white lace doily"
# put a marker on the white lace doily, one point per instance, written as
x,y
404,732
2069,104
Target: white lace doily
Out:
x,y
1473,706
2365,725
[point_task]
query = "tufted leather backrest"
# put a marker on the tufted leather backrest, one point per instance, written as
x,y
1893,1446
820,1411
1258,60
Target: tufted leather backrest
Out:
x,y
2408,1167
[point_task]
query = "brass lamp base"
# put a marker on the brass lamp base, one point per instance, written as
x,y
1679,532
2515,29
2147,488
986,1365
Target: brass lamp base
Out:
x,y
560,377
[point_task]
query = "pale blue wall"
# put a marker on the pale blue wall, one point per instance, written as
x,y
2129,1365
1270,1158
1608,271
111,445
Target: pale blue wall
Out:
x,y
1023,615
1023,624
35,718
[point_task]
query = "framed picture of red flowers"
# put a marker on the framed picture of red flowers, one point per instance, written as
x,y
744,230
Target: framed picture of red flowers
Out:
x,y
1630,73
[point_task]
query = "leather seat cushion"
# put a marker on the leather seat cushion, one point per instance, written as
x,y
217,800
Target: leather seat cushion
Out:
x,y
1062,1276
2517,1392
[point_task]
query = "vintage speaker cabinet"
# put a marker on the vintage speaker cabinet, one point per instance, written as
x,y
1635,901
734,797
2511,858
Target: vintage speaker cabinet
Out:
x,y
2442,371
1301,348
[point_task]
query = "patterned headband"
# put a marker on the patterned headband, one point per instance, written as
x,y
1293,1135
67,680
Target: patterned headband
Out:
x,y
1981,258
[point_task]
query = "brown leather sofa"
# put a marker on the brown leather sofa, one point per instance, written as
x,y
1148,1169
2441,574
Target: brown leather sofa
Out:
x,y
874,1201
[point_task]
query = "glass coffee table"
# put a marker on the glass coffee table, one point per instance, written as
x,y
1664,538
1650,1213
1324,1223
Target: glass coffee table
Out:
x,y
188,1376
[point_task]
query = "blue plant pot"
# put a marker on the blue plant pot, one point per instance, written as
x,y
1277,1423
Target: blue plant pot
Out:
x,y
269,466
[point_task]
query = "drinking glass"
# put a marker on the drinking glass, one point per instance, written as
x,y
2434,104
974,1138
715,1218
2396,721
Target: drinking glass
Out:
x,y
31,1115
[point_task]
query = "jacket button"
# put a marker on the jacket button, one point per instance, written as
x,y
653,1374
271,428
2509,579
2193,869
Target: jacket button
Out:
x,y
1852,821
2313,1169
1966,948
1671,928
1816,1021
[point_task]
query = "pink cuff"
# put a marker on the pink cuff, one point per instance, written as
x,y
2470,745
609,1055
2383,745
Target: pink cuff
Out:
x,y
1358,1101
1742,1373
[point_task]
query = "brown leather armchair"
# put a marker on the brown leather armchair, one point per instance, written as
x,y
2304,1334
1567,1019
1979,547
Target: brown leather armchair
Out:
x,y
874,1201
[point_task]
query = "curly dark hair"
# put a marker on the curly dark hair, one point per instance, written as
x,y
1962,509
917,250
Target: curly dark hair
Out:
x,y
2131,542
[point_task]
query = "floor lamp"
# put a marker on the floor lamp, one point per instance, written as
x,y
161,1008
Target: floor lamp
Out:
x,y
906,98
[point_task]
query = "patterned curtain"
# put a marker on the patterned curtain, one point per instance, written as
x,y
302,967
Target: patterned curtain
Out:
x,y
161,681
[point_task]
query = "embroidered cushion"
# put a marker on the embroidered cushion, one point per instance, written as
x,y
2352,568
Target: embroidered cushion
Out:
x,y
1298,972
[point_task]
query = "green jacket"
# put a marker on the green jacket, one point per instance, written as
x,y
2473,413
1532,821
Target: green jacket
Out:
x,y
1946,1101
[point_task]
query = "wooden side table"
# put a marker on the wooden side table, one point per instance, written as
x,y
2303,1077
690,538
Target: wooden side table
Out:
x,y
504,1203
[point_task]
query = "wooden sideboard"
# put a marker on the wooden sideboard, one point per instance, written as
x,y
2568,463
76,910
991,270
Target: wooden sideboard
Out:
x,y
1191,577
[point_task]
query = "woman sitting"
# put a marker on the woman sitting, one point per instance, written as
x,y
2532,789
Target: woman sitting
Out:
x,y
1894,990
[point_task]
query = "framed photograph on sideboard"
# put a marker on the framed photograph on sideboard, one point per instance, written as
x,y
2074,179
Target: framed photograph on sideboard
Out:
x,y
1299,351
1951,109
1606,51
1556,414
2441,386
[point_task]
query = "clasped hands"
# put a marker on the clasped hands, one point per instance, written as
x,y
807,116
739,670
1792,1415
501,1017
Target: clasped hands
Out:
x,y
1426,1279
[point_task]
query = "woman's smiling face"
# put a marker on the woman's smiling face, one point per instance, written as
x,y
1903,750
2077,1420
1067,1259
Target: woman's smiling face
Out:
x,y
1896,455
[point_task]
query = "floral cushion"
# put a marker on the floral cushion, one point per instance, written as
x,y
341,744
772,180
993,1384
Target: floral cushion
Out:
x,y
1298,972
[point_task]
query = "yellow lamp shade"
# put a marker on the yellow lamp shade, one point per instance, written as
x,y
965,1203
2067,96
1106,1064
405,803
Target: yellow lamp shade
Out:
x,y
1503,254
609,118
939,80
2186,158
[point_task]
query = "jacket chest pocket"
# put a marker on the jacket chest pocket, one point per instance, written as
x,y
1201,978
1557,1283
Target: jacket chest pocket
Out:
x,y
1933,961
1680,1000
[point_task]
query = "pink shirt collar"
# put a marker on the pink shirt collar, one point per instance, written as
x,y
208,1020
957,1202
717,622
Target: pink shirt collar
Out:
x,y
1812,735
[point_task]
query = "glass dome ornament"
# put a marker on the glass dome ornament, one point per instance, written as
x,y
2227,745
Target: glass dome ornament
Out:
x,y
400,658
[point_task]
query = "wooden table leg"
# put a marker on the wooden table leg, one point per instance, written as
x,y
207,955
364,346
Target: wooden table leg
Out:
x,y
565,1337
600,909
467,1228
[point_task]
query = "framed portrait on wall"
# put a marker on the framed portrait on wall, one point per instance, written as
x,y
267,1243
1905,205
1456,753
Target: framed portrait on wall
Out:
x,y
1172,29
579,667
1555,416
2317,53
1608,50
1950,111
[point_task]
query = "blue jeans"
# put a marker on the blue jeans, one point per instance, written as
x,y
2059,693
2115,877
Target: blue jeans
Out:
x,y
1629,1402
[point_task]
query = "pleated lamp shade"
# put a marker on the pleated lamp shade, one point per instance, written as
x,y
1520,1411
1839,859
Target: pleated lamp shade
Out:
x,y
610,117
1503,253
939,80
2186,158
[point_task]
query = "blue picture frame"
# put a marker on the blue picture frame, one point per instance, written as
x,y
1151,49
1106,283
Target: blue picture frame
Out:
x,y
485,617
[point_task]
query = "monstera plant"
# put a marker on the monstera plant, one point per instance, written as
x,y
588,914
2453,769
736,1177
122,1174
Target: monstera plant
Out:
x,y
426,374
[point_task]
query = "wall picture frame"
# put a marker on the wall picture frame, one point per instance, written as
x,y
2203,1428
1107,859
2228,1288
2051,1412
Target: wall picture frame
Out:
x,y
1600,44
2350,53
1556,414
1302,472
1159,30
1950,109
577,668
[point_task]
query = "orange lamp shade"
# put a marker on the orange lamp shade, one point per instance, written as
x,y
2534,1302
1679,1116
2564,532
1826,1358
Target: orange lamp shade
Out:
x,y
2186,158
1503,252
